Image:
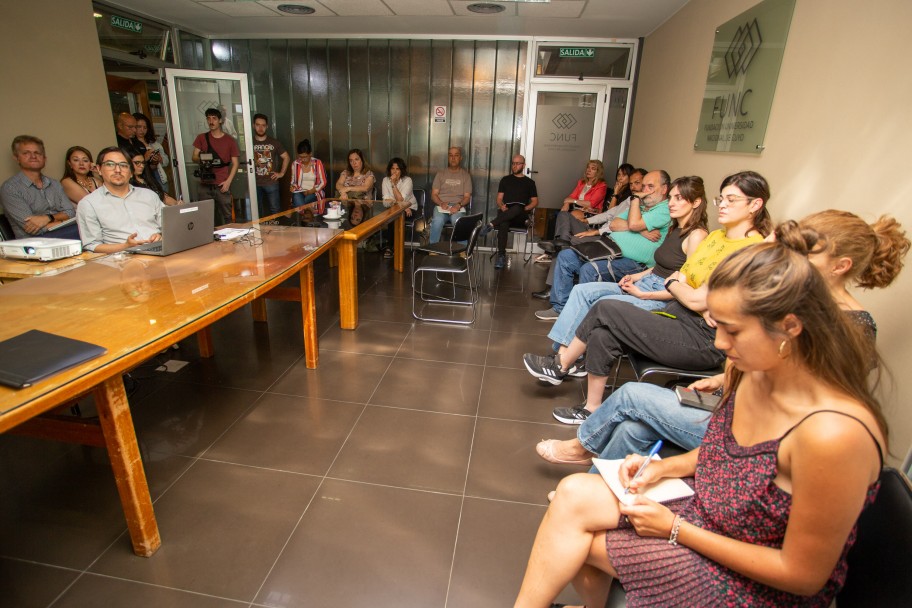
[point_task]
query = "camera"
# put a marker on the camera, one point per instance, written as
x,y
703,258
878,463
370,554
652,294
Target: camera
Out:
x,y
208,164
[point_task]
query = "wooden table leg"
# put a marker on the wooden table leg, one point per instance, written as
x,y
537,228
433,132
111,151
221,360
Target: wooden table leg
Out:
x,y
347,256
399,245
309,311
258,307
204,341
120,439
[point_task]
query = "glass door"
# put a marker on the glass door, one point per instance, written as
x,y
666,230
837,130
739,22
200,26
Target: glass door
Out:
x,y
567,129
189,94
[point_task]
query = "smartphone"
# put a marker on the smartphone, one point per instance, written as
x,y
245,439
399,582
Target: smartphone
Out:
x,y
697,399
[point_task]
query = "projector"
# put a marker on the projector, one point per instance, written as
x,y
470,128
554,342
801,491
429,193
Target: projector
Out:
x,y
42,249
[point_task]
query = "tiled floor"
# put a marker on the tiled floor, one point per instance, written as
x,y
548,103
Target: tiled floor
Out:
x,y
400,473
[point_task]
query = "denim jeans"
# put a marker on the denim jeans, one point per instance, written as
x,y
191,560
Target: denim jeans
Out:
x,y
270,199
439,219
584,295
637,415
299,199
568,263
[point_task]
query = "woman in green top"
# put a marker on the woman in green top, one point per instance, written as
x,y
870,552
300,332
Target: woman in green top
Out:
x,y
681,335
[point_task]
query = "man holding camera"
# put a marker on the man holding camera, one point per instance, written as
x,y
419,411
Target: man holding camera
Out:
x,y
217,154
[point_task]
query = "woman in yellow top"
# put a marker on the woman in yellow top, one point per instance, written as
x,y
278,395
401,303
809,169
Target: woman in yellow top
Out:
x,y
682,334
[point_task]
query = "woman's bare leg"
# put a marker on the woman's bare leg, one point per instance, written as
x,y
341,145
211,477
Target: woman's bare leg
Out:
x,y
582,508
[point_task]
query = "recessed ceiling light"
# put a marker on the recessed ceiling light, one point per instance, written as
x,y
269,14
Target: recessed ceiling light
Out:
x,y
485,8
296,9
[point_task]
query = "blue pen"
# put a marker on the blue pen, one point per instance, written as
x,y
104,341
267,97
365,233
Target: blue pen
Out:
x,y
655,450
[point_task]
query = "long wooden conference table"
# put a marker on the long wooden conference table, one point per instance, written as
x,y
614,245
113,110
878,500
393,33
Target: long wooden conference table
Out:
x,y
135,306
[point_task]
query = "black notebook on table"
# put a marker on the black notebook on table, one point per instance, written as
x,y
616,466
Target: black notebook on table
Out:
x,y
35,355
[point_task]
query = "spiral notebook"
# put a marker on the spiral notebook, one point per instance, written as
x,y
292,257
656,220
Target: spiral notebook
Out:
x,y
30,357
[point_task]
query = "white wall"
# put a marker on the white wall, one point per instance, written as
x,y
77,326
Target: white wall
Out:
x,y
838,133
53,82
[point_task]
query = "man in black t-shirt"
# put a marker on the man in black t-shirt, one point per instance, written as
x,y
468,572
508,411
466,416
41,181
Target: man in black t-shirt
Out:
x,y
516,197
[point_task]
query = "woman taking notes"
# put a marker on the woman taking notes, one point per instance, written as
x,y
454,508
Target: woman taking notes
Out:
x,y
798,435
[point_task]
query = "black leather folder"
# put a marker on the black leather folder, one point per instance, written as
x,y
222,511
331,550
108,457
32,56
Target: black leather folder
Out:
x,y
35,355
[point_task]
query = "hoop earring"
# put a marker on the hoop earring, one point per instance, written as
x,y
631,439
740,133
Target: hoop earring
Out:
x,y
785,353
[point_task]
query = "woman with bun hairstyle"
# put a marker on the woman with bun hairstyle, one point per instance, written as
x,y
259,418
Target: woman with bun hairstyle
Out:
x,y
790,459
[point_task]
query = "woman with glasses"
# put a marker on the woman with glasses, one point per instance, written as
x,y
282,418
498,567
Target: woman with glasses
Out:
x,y
143,178
682,334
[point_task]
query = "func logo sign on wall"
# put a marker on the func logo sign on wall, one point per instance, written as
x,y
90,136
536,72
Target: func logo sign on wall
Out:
x,y
742,76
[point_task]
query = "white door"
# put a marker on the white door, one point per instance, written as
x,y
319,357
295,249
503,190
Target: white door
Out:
x,y
567,128
189,94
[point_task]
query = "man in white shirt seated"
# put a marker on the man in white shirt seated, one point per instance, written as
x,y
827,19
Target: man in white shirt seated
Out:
x,y
117,215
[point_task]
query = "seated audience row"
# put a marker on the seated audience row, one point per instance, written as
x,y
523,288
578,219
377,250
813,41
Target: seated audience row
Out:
x,y
798,433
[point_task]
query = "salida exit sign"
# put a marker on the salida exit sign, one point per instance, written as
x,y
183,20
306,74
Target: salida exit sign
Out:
x,y
577,51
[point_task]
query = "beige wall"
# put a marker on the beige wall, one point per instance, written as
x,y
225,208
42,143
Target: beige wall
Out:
x,y
53,80
838,133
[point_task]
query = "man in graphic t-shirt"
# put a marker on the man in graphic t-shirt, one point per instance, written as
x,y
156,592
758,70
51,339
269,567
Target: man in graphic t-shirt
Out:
x,y
217,154
451,193
267,152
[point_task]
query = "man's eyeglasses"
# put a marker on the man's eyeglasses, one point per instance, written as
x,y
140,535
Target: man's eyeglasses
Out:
x,y
731,199
110,164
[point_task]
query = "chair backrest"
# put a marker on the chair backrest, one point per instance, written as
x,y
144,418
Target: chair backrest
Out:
x,y
6,229
464,226
421,197
473,240
880,561
428,206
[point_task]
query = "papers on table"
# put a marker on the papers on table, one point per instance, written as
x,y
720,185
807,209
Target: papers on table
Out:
x,y
229,234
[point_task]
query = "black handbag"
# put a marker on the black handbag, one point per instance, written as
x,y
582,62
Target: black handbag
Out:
x,y
597,250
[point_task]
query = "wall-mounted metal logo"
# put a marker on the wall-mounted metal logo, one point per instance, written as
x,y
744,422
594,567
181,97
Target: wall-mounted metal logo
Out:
x,y
564,121
744,46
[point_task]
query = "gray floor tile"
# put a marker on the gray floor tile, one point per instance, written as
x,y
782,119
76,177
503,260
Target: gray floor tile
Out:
x,y
93,591
487,571
430,385
506,349
370,338
521,319
29,585
435,342
363,546
407,448
515,395
339,376
222,525
385,308
296,434
504,463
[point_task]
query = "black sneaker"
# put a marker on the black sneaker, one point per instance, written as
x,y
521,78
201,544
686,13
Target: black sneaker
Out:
x,y
578,369
571,415
545,367
544,294
485,230
500,261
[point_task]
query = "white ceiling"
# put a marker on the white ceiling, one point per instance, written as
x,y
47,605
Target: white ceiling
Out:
x,y
260,19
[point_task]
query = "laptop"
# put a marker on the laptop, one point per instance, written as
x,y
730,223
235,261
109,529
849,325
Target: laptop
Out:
x,y
183,227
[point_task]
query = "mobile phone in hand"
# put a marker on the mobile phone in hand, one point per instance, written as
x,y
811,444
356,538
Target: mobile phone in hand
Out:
x,y
691,398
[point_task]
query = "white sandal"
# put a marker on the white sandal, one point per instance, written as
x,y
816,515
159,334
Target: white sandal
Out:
x,y
544,258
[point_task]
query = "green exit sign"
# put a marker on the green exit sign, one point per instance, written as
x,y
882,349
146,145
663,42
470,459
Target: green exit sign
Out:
x,y
577,51
126,24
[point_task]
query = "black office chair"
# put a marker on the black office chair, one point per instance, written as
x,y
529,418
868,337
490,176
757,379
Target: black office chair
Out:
x,y
880,561
6,229
452,265
644,367
527,228
417,223
457,242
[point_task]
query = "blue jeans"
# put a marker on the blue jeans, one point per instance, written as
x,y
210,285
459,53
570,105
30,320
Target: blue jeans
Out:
x,y
584,295
299,199
270,199
440,219
568,264
637,415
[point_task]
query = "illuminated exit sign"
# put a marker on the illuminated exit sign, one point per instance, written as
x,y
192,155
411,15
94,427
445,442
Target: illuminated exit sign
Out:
x,y
577,51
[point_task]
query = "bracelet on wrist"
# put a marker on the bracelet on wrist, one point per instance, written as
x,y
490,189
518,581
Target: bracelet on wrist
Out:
x,y
669,282
675,528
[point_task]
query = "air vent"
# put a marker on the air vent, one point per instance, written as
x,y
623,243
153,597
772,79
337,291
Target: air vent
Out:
x,y
296,9
485,8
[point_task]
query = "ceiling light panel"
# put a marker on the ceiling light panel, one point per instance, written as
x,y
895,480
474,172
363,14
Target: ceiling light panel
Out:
x,y
357,8
559,9
239,9
420,8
